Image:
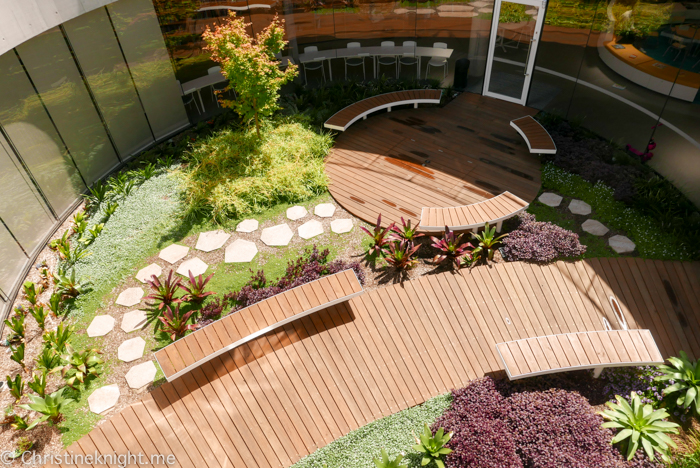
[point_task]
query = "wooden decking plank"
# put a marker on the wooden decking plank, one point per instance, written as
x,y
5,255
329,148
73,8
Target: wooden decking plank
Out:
x,y
147,408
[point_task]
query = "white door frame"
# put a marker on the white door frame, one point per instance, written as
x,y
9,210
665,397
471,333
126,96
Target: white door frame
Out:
x,y
530,65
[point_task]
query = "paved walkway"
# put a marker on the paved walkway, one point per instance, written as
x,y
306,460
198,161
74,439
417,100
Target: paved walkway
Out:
x,y
284,395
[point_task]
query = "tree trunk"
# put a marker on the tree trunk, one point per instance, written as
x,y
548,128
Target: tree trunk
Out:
x,y
257,126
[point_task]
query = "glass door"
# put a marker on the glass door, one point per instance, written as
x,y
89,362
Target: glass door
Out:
x,y
515,32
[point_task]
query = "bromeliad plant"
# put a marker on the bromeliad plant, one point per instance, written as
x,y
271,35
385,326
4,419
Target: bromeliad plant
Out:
x,y
40,314
639,425
38,384
55,304
386,462
58,339
450,248
381,237
79,365
16,386
686,381
433,446
401,255
31,292
47,360
405,231
487,243
16,326
164,293
17,354
175,322
195,289
52,407
67,285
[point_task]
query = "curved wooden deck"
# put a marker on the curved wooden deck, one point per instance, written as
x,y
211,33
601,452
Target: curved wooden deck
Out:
x,y
399,162
280,397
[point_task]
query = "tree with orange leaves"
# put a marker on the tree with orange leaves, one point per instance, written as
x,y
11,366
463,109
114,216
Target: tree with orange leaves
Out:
x,y
250,66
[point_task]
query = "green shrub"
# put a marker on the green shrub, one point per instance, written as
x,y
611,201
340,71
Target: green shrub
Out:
x,y
686,381
231,173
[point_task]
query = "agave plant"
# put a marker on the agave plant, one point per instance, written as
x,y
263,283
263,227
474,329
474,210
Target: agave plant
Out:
x,y
40,314
16,386
67,285
386,462
450,248
47,360
164,293
17,354
79,365
195,288
686,377
487,243
58,339
51,407
175,322
401,255
639,425
433,446
38,384
379,236
405,231
16,325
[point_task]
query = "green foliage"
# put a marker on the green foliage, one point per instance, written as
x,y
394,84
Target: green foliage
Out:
x,y
195,288
401,254
55,303
31,292
121,184
432,446
380,237
164,292
79,365
16,325
175,322
38,384
48,359
23,444
148,171
16,386
386,462
17,354
450,248
98,194
40,314
66,283
232,173
487,243
686,377
513,13
21,424
110,208
690,458
61,244
80,223
57,340
50,407
639,425
250,66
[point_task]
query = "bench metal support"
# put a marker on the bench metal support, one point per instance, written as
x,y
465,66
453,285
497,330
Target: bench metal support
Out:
x,y
597,371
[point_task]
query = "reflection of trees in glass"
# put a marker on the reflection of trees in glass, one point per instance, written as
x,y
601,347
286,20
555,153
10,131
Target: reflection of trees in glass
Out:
x,y
513,13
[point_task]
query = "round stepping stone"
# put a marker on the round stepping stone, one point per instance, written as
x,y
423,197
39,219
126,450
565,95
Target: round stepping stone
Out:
x,y
194,265
212,240
240,251
103,398
141,374
131,349
130,297
247,225
594,227
579,207
621,244
100,326
277,235
134,320
341,226
532,11
550,199
324,210
310,229
146,273
296,212
174,253
401,11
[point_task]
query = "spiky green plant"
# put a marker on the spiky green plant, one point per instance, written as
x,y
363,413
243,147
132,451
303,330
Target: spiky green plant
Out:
x,y
16,325
164,292
451,249
21,424
79,365
110,209
51,407
31,292
175,322
401,255
48,359
55,303
58,339
686,377
432,446
38,384
16,386
40,314
195,289
380,237
639,425
385,462
487,243
66,283
17,354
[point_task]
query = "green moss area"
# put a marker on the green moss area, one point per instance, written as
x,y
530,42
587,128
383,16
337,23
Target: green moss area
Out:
x,y
394,433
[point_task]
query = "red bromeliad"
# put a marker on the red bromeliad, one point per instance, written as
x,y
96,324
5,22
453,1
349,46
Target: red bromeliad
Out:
x,y
451,248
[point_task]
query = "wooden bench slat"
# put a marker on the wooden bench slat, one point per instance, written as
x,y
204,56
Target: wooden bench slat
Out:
x,y
494,211
535,135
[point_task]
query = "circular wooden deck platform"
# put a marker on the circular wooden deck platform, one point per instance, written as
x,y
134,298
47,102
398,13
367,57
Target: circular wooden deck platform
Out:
x,y
399,162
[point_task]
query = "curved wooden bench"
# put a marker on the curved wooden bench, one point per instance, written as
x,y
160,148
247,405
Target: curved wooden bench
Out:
x,y
493,211
342,119
252,322
575,351
537,138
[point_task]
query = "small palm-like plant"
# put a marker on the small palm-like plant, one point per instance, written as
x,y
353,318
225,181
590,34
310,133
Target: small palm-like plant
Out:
x,y
380,237
31,292
98,194
386,462
58,339
686,377
450,248
67,285
433,446
175,322
48,359
40,315
16,325
51,407
16,386
639,425
17,354
55,304
405,231
79,365
401,255
63,242
38,384
110,208
164,293
195,289
487,242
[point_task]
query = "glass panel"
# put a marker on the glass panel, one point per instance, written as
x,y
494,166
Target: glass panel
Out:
x,y
98,54
516,29
21,208
29,128
139,35
12,260
55,75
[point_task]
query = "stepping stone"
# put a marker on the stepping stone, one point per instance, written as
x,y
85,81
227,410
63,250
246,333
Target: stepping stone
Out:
x,y
531,12
130,297
212,240
480,3
424,11
452,8
550,199
100,326
401,11
310,229
174,253
277,235
141,374
194,265
621,244
240,251
296,212
247,225
103,398
134,320
579,207
324,210
341,226
485,10
594,227
146,273
457,14
131,349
